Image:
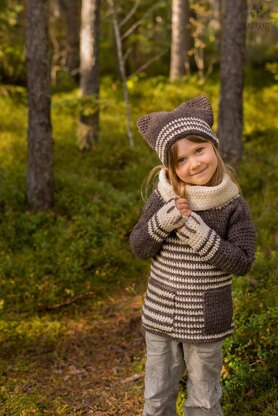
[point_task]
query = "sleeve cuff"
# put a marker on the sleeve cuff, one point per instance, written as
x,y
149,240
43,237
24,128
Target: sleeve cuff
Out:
x,y
165,220
204,240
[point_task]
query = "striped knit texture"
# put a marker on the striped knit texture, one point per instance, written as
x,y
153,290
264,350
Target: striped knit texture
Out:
x,y
165,220
199,236
189,290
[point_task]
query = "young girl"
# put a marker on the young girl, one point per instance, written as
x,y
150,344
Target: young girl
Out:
x,y
197,229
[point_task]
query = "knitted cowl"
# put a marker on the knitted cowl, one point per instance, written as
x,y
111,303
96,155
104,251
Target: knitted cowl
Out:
x,y
201,198
189,289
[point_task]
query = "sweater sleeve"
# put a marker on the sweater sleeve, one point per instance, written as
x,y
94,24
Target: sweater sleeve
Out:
x,y
157,221
236,253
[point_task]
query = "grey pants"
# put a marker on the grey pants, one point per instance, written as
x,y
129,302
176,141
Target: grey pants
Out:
x,y
166,362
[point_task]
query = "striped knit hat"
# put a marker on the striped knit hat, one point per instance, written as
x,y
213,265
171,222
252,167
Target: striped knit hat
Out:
x,y
162,129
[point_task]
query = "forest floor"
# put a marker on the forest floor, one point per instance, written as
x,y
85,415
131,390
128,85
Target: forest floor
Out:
x,y
95,368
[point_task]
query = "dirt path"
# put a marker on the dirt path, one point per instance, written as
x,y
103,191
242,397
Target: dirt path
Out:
x,y
116,374
94,367
101,369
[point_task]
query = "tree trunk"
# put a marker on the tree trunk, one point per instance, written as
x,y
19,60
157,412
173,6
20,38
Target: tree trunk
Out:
x,y
72,10
216,7
187,38
40,144
89,72
230,121
118,40
180,39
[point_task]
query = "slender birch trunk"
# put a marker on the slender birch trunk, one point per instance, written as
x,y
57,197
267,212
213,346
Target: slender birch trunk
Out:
x,y
88,134
122,70
180,39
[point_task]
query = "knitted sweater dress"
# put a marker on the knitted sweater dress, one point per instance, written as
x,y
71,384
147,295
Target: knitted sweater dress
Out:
x,y
189,295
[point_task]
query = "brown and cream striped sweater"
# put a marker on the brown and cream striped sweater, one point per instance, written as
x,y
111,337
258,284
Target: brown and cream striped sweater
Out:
x,y
189,290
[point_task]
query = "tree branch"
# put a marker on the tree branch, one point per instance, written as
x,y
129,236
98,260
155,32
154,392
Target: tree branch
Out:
x,y
130,14
139,22
148,63
63,305
122,70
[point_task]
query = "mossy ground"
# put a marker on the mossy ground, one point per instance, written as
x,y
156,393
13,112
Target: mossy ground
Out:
x,y
88,358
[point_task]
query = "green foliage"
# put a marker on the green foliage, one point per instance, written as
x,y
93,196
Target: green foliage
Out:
x,y
12,55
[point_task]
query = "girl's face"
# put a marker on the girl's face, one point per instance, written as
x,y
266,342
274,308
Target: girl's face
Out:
x,y
196,162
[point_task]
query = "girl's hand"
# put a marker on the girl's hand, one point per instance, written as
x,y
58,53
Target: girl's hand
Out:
x,y
183,206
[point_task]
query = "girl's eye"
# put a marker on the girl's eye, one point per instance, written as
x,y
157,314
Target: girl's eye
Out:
x,y
199,150
181,160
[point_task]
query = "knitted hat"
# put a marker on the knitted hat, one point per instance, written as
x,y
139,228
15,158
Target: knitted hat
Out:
x,y
162,129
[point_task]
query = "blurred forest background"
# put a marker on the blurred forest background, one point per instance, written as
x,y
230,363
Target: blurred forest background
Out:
x,y
74,77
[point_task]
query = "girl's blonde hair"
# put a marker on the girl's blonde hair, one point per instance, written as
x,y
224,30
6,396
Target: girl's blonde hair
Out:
x,y
179,186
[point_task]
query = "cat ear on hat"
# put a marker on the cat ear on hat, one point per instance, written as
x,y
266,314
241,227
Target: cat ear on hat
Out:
x,y
203,105
199,107
143,124
150,125
199,102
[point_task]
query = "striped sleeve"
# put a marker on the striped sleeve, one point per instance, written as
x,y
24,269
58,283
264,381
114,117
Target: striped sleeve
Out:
x,y
142,239
157,221
234,254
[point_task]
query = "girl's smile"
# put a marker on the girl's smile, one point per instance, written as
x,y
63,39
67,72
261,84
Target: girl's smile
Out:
x,y
196,162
